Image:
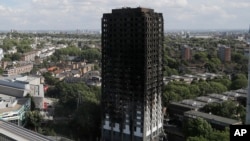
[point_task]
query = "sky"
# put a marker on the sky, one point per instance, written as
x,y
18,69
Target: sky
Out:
x,y
87,14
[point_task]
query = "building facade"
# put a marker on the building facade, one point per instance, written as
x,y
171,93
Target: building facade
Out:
x,y
20,68
29,56
186,53
132,74
224,53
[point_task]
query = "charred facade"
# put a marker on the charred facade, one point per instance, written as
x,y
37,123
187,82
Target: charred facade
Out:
x,y
132,74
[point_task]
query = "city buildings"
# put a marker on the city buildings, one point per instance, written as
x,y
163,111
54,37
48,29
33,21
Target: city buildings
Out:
x,y
132,74
21,86
18,68
224,53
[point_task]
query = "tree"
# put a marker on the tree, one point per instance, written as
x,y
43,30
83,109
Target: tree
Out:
x,y
214,136
180,88
71,51
33,120
239,81
217,135
83,104
197,138
32,102
225,81
204,87
87,120
229,109
15,57
238,57
170,71
217,87
197,127
49,79
201,57
1,71
170,97
194,90
239,76
91,54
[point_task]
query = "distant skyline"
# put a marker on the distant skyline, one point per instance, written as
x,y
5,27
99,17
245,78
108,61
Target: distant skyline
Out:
x,y
86,14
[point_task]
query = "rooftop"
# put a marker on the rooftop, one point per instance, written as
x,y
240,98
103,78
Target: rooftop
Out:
x,y
20,103
18,78
18,133
212,118
129,9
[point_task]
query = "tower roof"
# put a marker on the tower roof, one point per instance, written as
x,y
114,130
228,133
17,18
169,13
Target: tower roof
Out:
x,y
133,10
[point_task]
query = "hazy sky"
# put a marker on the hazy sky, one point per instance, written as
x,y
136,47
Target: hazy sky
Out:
x,y
86,14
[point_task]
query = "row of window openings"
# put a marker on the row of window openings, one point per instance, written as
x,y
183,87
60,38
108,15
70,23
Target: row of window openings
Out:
x,y
133,38
132,24
150,42
132,19
137,36
122,19
148,31
124,32
155,17
141,128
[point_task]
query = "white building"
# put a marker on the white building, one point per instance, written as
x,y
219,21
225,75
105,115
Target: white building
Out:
x,y
13,110
1,54
20,86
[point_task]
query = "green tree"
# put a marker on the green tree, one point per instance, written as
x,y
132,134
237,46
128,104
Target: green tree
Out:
x,y
229,109
194,90
87,120
239,81
15,57
1,71
197,127
225,81
180,88
217,135
32,102
217,87
91,55
197,138
239,76
170,97
204,87
33,120
49,79
201,57
238,57
82,103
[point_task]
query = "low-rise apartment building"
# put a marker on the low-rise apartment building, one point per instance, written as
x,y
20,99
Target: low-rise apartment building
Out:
x,y
19,68
29,56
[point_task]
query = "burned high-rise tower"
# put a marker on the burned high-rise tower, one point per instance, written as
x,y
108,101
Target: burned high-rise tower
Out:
x,y
132,74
